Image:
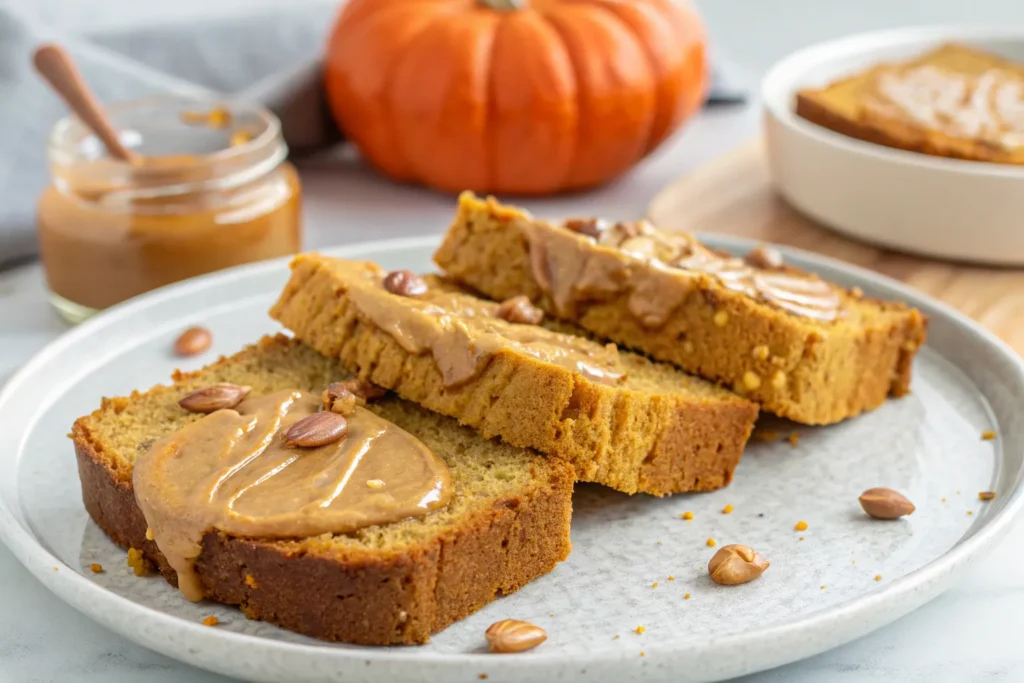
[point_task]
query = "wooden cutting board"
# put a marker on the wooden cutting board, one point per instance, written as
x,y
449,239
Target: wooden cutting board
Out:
x,y
734,196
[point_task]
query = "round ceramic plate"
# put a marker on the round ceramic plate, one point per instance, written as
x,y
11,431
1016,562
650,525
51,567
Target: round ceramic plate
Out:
x,y
634,562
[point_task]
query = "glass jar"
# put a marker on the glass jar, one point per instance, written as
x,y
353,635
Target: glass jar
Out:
x,y
212,190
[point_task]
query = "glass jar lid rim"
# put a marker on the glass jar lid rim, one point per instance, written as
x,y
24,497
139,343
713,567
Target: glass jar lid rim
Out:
x,y
69,128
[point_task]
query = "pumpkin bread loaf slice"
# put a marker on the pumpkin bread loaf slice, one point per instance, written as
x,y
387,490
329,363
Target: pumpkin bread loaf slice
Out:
x,y
803,348
618,418
507,524
904,105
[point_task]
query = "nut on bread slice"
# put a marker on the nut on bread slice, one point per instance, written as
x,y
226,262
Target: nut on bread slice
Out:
x,y
396,584
808,370
657,430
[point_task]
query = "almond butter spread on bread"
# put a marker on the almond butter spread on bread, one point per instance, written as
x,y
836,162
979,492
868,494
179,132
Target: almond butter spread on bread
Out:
x,y
954,101
409,570
801,347
236,471
620,419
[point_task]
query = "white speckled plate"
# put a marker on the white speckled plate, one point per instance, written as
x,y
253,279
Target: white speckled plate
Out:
x,y
634,561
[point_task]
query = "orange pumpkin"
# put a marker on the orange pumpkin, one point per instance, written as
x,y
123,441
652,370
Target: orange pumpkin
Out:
x,y
513,96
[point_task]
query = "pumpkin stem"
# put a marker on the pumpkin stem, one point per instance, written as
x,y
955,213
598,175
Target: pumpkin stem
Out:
x,y
504,5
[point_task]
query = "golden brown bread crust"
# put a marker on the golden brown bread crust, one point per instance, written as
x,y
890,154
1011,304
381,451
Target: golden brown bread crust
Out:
x,y
656,442
840,107
830,372
378,597
809,106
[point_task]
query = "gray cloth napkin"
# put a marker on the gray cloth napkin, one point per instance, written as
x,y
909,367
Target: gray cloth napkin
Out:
x,y
270,56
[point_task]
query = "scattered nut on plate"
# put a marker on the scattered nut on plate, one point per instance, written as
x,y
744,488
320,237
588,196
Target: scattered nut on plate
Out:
x,y
213,398
193,341
735,564
883,503
512,635
519,309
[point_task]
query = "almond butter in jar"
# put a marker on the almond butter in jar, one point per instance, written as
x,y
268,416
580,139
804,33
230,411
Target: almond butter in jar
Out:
x,y
213,190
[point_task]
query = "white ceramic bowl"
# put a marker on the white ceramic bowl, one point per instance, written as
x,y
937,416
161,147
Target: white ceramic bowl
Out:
x,y
945,208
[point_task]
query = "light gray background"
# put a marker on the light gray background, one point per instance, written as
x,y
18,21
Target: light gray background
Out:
x,y
969,634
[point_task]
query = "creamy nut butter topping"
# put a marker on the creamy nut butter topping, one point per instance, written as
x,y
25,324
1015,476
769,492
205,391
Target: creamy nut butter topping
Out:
x,y
461,333
595,260
988,106
232,471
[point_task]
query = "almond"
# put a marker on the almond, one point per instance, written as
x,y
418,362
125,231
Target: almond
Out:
x,y
363,389
338,399
318,429
764,257
213,398
193,341
591,227
736,564
512,635
520,310
343,397
628,230
883,503
405,283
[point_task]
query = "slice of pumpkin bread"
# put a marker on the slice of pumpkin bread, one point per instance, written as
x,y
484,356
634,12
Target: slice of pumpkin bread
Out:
x,y
905,104
620,419
803,348
507,524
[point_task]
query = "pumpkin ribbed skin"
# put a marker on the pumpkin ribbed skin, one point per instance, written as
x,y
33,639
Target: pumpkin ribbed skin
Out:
x,y
557,95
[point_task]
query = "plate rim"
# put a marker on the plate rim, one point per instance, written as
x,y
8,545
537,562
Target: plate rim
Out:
x,y
73,587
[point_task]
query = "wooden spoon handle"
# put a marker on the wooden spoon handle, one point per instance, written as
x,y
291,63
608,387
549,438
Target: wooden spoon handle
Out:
x,y
56,66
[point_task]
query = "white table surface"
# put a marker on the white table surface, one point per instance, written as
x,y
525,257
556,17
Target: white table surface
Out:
x,y
968,634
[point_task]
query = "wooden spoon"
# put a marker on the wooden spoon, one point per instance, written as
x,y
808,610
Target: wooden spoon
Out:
x,y
55,65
